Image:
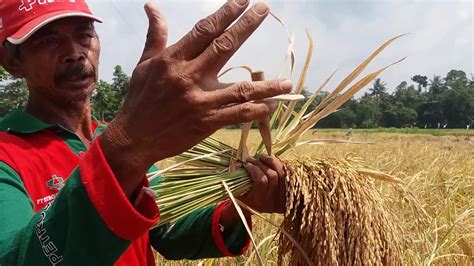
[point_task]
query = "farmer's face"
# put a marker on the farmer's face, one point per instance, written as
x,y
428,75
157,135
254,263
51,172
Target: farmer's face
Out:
x,y
60,62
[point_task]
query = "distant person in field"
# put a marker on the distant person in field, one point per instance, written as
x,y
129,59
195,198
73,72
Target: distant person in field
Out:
x,y
73,189
349,133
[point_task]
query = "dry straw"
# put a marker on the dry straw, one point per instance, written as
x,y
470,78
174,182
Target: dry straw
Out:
x,y
334,214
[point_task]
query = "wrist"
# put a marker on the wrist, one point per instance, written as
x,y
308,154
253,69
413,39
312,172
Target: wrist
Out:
x,y
230,216
126,162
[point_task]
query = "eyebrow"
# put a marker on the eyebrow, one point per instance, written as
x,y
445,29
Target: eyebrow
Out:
x,y
88,26
43,33
47,31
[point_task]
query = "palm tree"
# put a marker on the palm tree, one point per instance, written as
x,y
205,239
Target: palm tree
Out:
x,y
379,89
436,87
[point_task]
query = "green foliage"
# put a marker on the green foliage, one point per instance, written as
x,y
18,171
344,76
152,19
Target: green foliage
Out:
x,y
344,118
397,115
379,89
3,74
121,82
108,98
422,81
408,96
368,112
13,93
458,107
446,103
105,101
429,103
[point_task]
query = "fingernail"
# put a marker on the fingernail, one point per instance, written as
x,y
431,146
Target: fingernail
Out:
x,y
261,8
286,85
241,2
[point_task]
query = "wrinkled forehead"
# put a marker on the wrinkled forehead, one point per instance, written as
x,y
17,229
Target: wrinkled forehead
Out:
x,y
66,24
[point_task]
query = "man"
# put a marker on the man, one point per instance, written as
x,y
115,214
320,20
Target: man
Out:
x,y
102,214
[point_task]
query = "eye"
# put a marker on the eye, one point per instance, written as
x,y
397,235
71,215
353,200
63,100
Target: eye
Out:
x,y
48,41
86,37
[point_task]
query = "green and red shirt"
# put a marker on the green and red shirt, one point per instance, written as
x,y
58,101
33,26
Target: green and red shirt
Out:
x,y
61,205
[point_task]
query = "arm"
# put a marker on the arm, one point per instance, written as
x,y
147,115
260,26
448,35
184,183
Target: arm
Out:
x,y
80,222
175,100
199,234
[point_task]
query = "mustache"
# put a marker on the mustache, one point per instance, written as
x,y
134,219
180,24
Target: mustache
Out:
x,y
74,72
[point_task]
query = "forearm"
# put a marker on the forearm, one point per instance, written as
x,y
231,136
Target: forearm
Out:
x,y
199,235
91,212
230,216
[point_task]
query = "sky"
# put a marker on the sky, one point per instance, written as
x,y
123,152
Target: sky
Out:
x,y
345,32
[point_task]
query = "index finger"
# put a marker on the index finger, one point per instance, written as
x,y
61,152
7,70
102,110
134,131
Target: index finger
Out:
x,y
223,47
209,28
249,91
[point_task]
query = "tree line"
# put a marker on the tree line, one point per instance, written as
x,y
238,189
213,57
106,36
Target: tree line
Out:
x,y
437,102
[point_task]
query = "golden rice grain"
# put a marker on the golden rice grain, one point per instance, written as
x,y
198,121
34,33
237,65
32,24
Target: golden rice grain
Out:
x,y
337,216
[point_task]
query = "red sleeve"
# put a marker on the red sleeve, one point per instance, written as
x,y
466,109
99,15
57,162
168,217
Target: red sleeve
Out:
x,y
217,234
108,198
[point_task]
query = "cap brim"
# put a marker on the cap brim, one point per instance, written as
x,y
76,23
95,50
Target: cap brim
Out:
x,y
33,26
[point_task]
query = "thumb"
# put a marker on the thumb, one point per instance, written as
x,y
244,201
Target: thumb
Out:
x,y
157,35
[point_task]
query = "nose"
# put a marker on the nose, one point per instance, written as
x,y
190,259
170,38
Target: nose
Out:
x,y
72,52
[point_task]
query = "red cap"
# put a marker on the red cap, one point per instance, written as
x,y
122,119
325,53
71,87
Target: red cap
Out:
x,y
19,19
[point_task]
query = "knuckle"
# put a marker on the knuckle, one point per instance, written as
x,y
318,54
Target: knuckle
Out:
x,y
274,86
224,44
180,80
192,100
208,123
205,27
272,176
205,101
226,11
246,113
262,182
162,63
244,91
248,21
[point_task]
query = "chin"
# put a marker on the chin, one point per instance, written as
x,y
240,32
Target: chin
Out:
x,y
77,92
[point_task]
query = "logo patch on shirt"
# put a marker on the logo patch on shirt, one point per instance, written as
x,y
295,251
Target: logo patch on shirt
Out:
x,y
55,183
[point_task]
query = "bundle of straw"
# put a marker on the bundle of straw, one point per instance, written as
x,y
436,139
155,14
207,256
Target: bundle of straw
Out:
x,y
334,214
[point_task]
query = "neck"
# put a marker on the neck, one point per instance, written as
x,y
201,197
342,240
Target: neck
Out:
x,y
72,115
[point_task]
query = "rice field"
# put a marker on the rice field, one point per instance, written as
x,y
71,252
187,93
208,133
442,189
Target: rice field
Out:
x,y
437,169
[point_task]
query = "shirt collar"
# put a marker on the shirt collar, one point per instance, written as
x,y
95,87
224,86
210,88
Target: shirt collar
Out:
x,y
20,121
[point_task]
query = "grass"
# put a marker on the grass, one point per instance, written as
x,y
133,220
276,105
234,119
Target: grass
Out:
x,y
429,131
438,170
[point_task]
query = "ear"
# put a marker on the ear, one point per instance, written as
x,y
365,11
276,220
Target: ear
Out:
x,y
9,63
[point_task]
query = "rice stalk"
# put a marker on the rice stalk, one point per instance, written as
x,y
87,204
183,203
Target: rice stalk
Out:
x,y
244,221
334,213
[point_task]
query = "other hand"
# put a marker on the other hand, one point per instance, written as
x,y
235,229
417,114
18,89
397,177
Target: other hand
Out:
x,y
268,193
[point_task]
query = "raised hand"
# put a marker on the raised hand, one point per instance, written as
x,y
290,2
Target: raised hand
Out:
x,y
175,99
